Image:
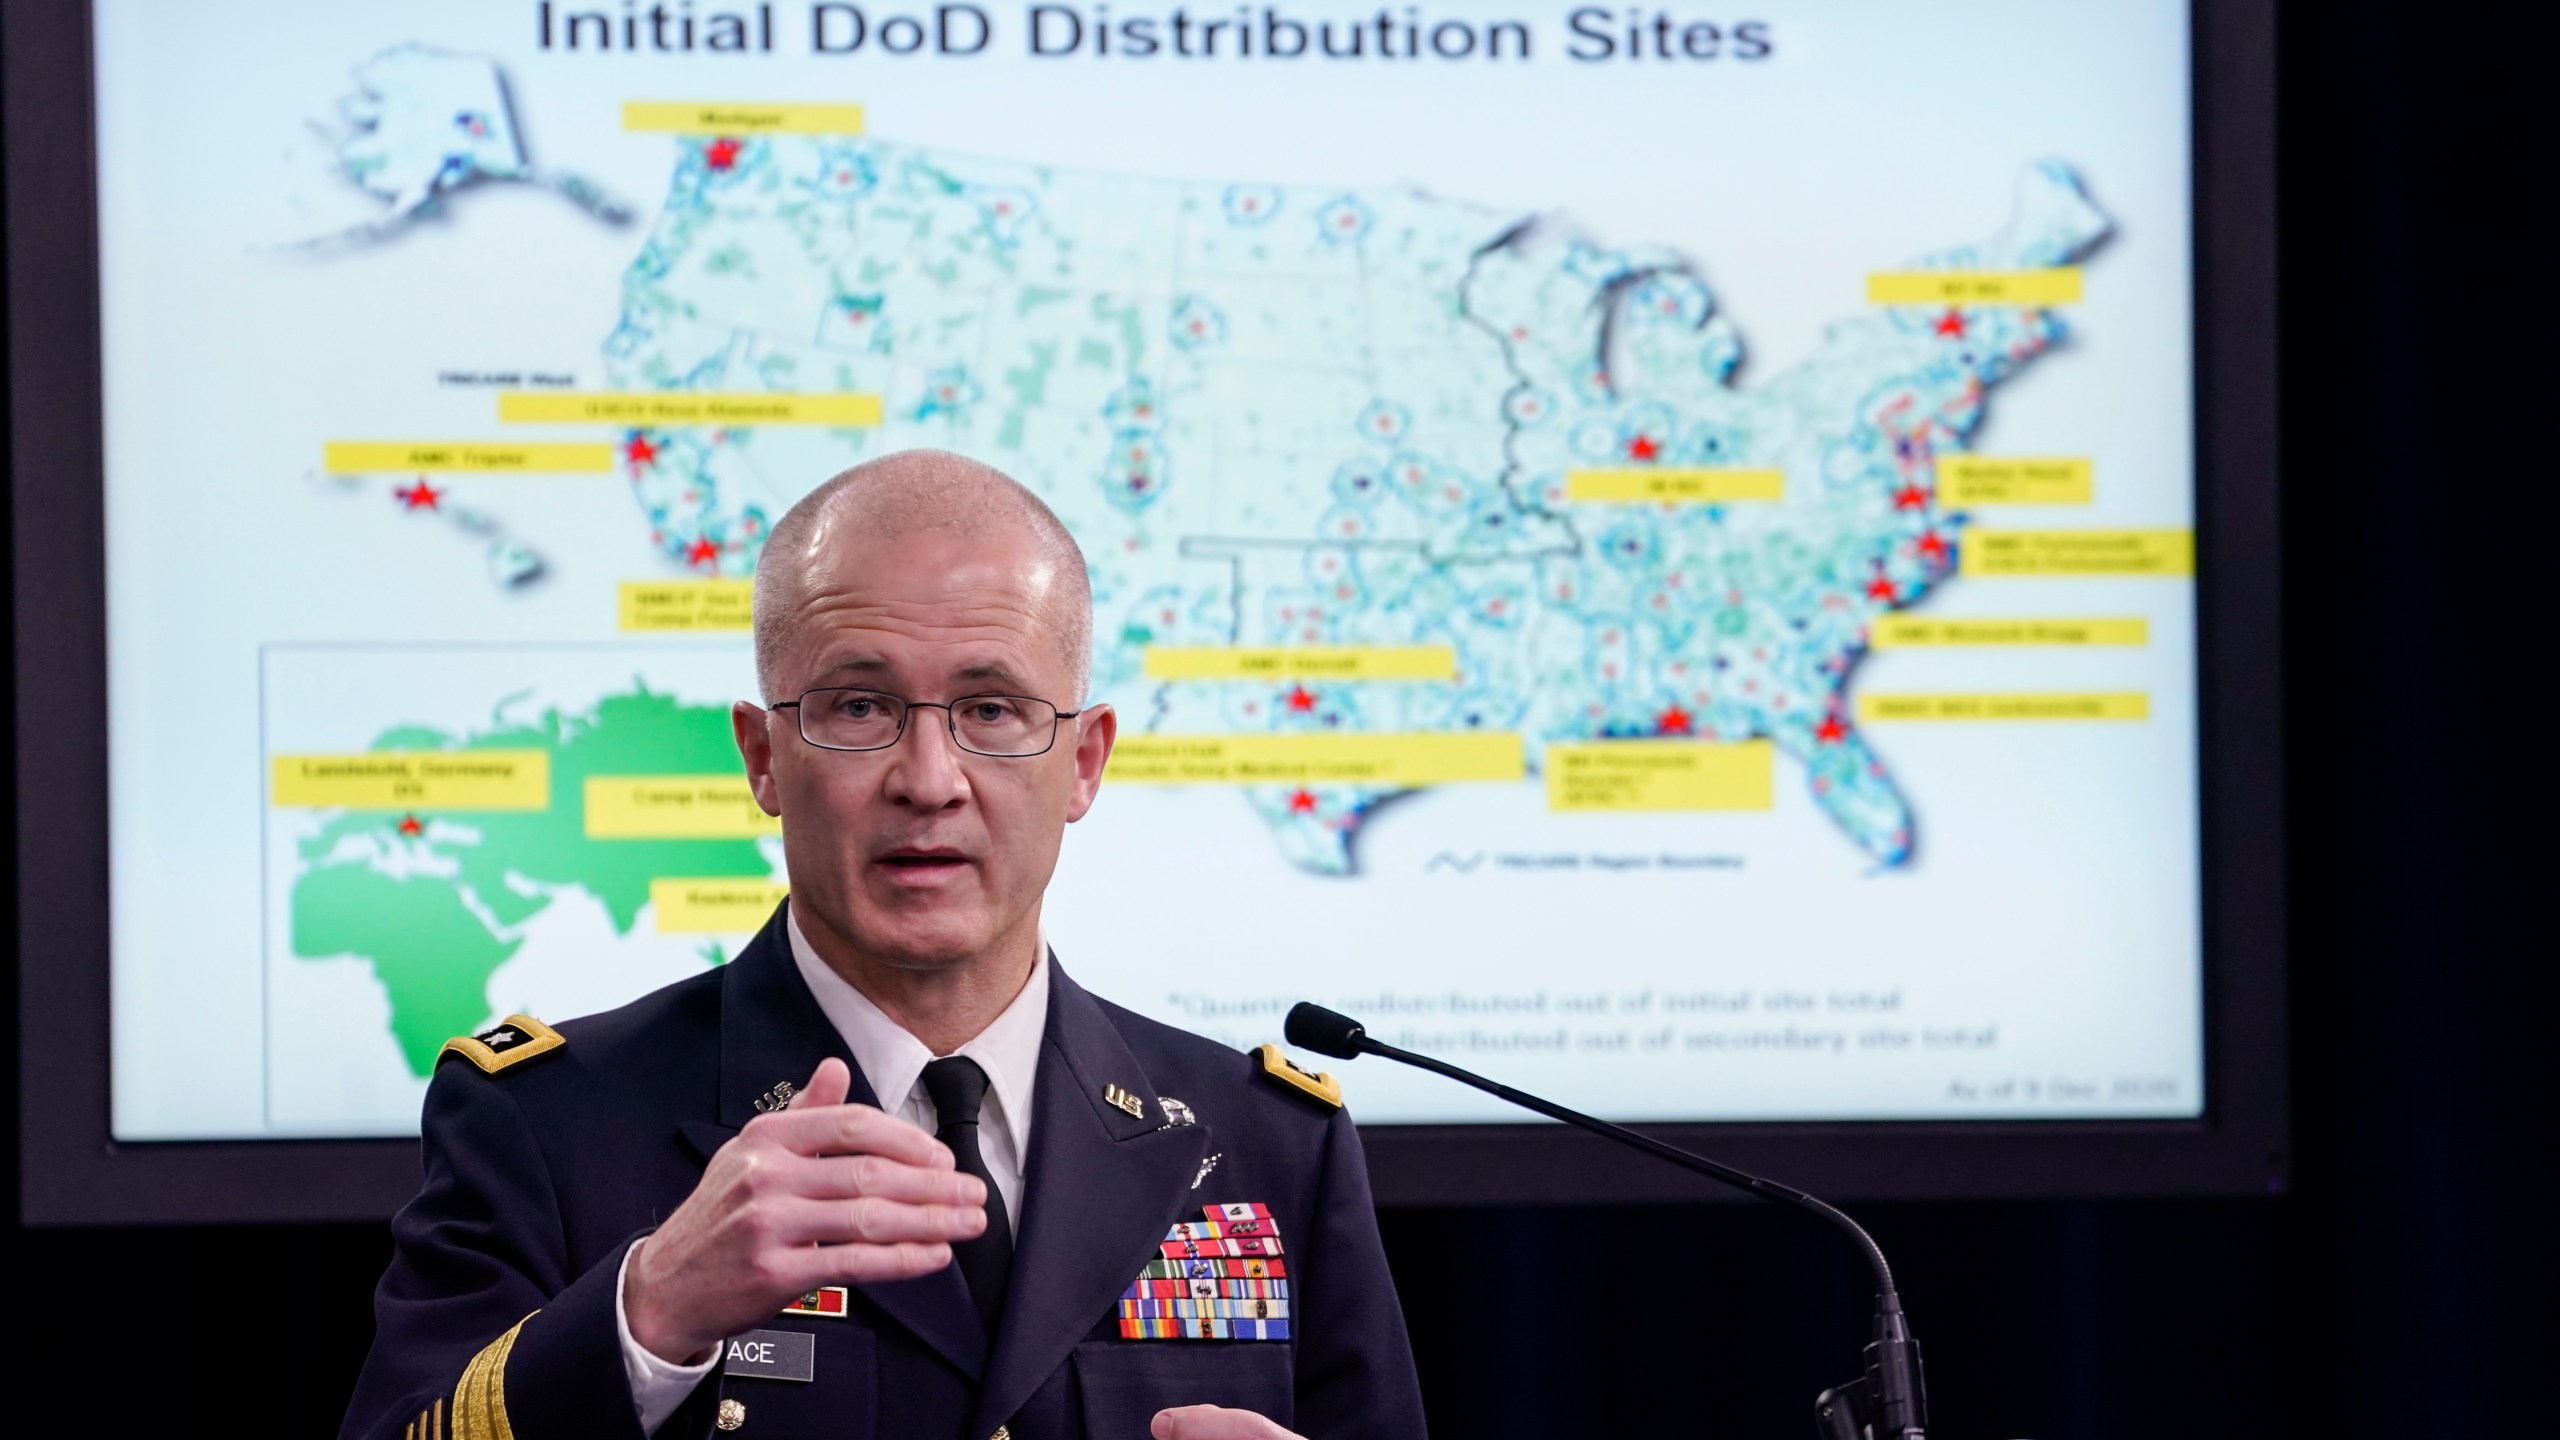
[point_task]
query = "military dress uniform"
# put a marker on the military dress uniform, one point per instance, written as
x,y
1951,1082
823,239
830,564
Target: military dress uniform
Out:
x,y
1196,1228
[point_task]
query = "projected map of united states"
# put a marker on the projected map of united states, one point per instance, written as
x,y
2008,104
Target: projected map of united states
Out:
x,y
1478,488
1367,420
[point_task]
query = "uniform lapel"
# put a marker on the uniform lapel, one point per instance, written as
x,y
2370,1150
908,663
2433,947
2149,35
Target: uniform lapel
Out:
x,y
772,1032
1098,1192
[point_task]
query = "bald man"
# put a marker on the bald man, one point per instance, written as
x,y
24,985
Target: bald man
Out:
x,y
890,1172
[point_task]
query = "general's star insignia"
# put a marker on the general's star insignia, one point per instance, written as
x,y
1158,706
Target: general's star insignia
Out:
x,y
512,1041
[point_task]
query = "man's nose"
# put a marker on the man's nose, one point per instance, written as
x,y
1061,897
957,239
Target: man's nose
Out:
x,y
924,766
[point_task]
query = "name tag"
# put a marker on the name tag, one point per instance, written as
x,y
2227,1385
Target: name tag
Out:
x,y
772,1355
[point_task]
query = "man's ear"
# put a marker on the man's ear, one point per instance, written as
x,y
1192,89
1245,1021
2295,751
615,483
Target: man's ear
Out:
x,y
1096,728
752,724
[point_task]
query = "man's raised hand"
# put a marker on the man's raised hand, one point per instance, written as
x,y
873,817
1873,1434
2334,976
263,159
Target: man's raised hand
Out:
x,y
819,1193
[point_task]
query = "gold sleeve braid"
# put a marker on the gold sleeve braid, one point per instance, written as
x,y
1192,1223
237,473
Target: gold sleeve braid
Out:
x,y
429,1425
480,1396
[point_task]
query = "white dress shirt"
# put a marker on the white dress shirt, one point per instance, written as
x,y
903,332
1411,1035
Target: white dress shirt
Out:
x,y
893,1062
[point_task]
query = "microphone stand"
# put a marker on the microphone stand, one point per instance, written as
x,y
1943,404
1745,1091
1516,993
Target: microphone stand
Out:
x,y
1887,1402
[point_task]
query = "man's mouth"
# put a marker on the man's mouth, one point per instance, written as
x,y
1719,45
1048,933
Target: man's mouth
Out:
x,y
919,860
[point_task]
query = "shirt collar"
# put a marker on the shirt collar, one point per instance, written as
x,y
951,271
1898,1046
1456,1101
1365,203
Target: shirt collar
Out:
x,y
893,1060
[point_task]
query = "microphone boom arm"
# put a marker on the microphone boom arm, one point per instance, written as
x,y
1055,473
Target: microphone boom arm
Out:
x,y
1888,1402
1696,1164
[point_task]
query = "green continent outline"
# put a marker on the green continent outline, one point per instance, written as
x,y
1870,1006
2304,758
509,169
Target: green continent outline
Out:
x,y
434,940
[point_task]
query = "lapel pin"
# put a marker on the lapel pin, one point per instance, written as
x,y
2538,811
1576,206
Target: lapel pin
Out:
x,y
831,1301
1176,1114
776,1098
1205,1167
1123,1100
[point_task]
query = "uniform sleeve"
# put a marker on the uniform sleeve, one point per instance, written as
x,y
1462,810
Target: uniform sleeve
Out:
x,y
1355,1372
480,1328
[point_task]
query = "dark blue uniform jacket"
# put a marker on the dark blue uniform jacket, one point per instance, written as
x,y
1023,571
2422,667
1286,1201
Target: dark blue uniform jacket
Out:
x,y
497,1314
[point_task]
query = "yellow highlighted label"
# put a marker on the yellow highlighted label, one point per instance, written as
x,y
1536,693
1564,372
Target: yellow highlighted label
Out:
x,y
416,779
362,457
2079,552
711,117
2108,705
2001,480
1394,760
1672,485
688,604
2057,286
686,407
1302,662
1896,632
722,906
1662,775
675,807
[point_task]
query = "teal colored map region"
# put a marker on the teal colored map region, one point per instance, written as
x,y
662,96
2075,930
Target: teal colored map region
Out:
x,y
1290,416
436,901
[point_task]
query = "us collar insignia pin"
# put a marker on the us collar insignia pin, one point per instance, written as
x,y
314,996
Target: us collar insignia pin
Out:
x,y
776,1098
1123,1100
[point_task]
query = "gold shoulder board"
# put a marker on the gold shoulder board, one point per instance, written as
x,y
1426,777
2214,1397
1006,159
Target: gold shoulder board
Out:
x,y
511,1041
1281,1070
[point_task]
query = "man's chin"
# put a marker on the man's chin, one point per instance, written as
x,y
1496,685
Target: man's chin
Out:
x,y
907,940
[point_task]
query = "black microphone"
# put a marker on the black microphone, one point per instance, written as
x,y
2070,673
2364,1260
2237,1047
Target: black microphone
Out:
x,y
1886,1403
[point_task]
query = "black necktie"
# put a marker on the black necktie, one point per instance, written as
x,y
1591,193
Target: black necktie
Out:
x,y
958,1087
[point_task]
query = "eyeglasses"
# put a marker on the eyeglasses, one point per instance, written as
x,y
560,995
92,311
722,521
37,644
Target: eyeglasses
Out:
x,y
1009,726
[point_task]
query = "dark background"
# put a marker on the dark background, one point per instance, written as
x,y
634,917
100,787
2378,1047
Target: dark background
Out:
x,y
2398,1291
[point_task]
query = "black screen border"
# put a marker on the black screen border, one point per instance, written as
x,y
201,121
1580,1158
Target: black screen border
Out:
x,y
73,1171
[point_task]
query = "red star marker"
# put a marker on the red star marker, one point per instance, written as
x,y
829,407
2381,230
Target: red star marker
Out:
x,y
409,826
639,450
1302,803
1830,731
721,154
421,496
1951,325
1674,721
1301,699
1932,548
1910,497
1880,588
1642,448
704,551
